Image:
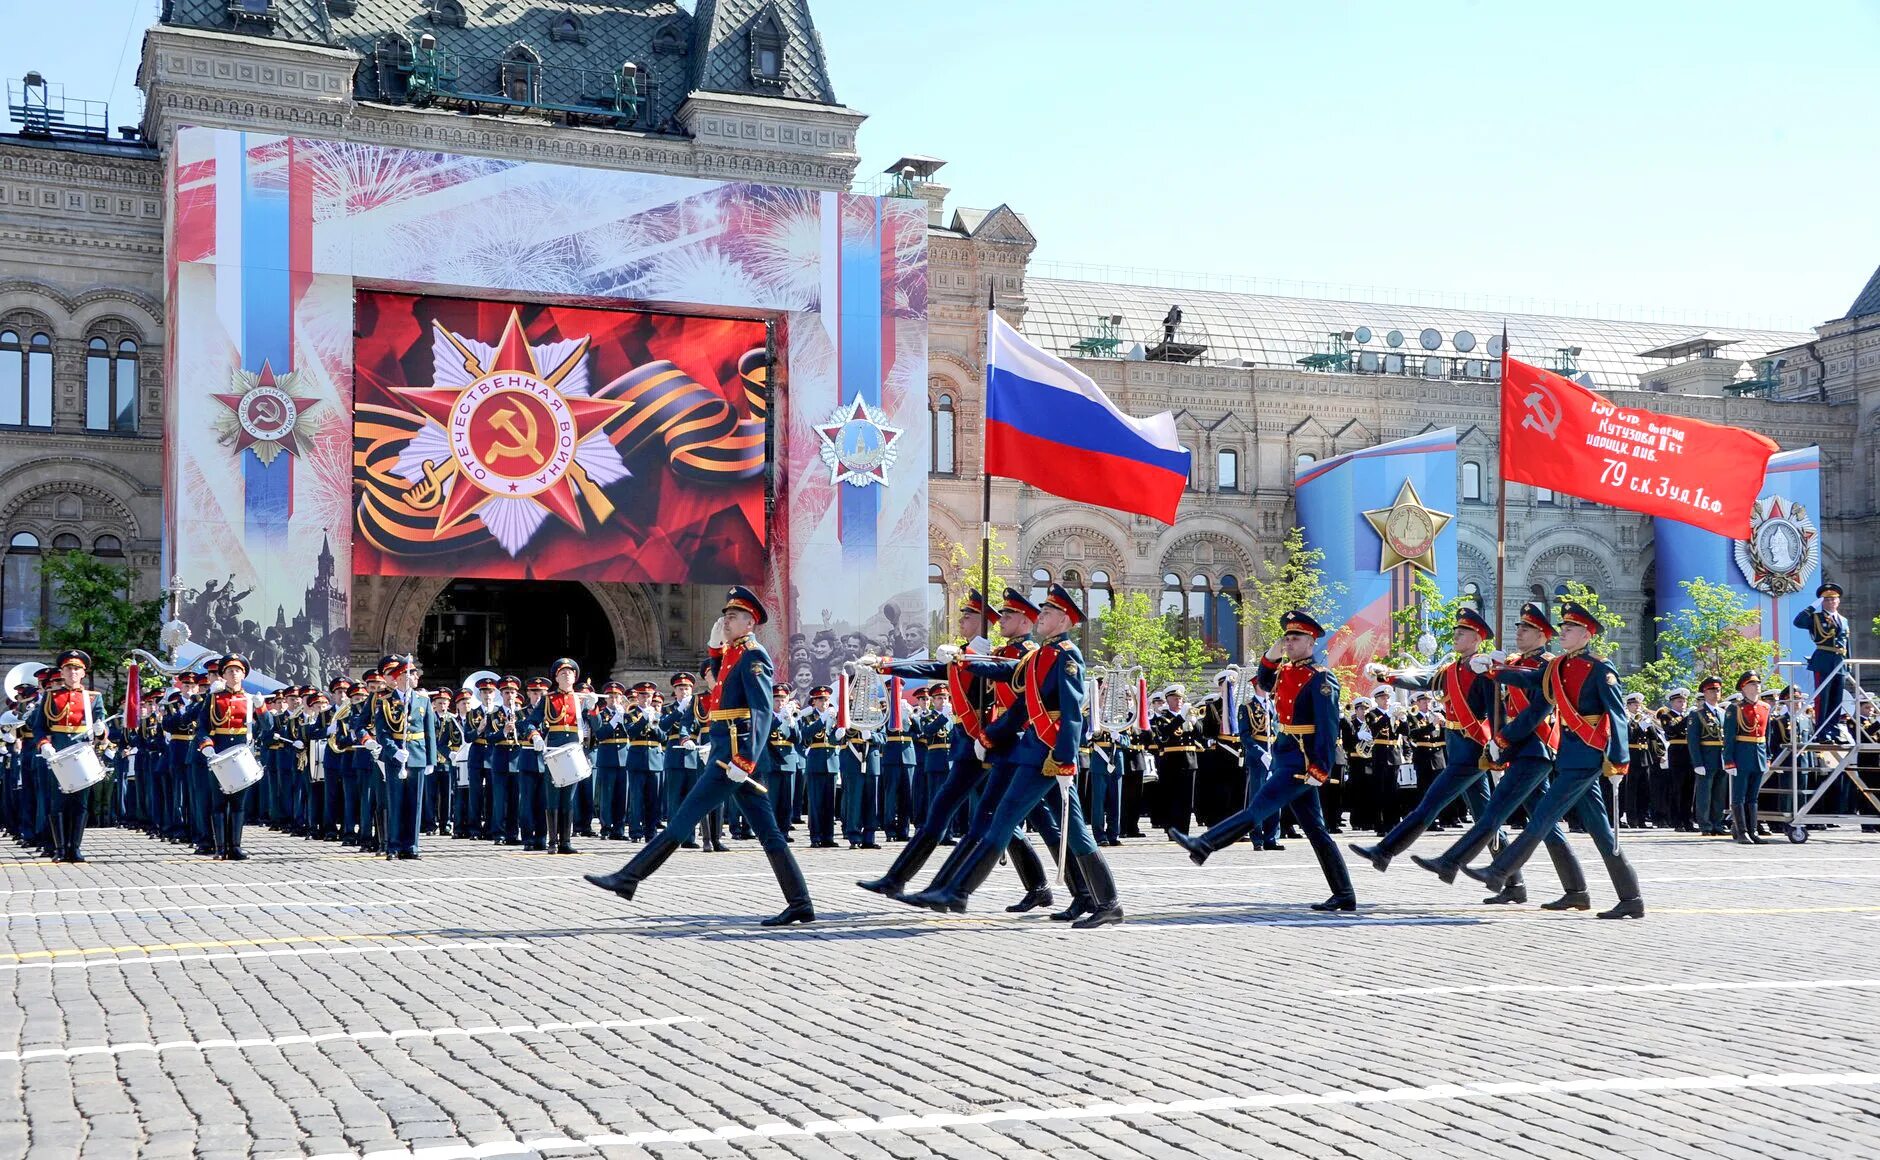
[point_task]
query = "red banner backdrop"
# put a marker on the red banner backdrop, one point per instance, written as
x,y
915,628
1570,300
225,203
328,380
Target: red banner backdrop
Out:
x,y
1559,435
508,441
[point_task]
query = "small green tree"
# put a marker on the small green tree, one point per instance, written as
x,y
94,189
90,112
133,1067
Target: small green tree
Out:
x,y
1133,630
1718,634
1610,622
93,610
1275,588
964,574
1430,612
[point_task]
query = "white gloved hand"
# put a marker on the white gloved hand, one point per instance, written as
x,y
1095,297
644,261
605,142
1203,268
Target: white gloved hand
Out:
x,y
717,637
1499,656
1480,663
298,744
1494,752
735,772
46,750
946,654
1376,670
979,751
1273,651
1364,734
399,757
540,745
1664,762
216,685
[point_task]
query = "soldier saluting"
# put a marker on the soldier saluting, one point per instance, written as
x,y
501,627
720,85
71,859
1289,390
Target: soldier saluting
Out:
x,y
738,723
1829,630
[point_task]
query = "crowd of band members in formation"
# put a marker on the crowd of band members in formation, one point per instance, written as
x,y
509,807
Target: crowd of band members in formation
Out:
x,y
970,763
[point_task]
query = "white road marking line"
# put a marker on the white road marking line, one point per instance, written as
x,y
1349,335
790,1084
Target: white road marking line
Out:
x,y
915,1121
287,953
366,904
1611,988
350,1036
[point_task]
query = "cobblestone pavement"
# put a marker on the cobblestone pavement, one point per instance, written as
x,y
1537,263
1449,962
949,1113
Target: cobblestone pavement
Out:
x,y
479,1002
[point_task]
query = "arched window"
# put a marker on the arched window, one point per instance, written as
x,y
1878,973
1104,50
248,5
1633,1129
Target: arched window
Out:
x,y
522,74
1040,585
1472,481
1100,595
1472,595
111,386
1171,595
66,542
944,429
1306,459
567,27
939,617
21,594
1224,626
25,379
1190,453
107,546
1227,470
1197,605
767,51
1537,592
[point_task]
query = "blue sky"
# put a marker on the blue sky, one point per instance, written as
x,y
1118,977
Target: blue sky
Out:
x,y
1696,162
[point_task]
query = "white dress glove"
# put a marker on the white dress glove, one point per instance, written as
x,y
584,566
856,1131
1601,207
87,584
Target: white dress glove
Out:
x,y
736,772
979,751
1480,663
869,661
946,653
1376,671
1364,734
298,744
46,750
717,637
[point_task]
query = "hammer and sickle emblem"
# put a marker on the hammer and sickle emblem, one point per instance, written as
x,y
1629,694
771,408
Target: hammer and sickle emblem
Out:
x,y
267,411
1542,412
523,446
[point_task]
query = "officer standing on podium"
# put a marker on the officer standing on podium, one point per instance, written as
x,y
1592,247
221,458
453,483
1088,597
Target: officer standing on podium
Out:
x,y
1829,630
739,722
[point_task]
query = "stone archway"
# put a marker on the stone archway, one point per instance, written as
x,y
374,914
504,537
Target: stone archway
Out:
x,y
628,611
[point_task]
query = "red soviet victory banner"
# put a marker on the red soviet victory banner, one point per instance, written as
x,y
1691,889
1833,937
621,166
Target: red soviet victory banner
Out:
x,y
1559,435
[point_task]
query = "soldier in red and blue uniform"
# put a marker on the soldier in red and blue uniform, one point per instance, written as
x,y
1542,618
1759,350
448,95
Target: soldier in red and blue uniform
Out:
x,y
1305,708
560,721
67,715
223,721
1594,742
739,723
1525,740
1828,629
1043,762
976,699
1746,756
1468,727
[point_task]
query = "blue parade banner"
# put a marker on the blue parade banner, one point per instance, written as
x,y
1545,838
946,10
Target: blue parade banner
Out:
x,y
1775,571
1380,515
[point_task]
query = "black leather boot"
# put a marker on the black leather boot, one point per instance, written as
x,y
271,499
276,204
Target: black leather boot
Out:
x,y
906,864
1736,828
1483,875
1198,848
1337,874
1375,855
1625,882
1081,901
627,879
1513,894
1444,870
950,897
955,859
1751,826
1106,908
1031,872
795,889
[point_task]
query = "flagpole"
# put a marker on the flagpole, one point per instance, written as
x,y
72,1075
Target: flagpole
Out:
x,y
985,476
1501,493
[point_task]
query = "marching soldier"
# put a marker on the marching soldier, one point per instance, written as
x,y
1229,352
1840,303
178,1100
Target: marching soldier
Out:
x,y
820,745
1584,691
1305,704
739,721
1709,726
1043,763
403,728
67,715
1746,756
1525,740
1468,736
1829,630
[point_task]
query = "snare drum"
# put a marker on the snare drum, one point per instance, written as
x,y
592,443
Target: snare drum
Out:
x,y
77,767
567,764
235,768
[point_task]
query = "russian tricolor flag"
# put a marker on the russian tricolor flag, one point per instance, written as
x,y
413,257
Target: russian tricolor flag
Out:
x,y
1048,425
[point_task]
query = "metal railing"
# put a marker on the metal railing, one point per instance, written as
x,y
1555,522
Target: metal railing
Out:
x,y
622,97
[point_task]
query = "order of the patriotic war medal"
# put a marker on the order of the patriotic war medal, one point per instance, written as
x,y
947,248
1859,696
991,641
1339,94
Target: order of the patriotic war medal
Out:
x,y
263,413
1782,549
858,445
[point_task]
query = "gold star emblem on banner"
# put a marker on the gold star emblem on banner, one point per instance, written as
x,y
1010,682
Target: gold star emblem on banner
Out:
x,y
1409,531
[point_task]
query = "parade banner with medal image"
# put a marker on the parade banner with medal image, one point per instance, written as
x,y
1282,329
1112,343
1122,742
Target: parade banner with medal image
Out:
x,y
1380,515
505,441
1774,571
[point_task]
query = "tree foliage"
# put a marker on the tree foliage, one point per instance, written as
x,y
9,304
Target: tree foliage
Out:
x,y
1430,612
93,610
1296,580
1610,622
1717,635
964,574
1134,632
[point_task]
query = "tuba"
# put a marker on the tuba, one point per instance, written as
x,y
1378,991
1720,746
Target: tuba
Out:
x,y
1117,688
867,693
